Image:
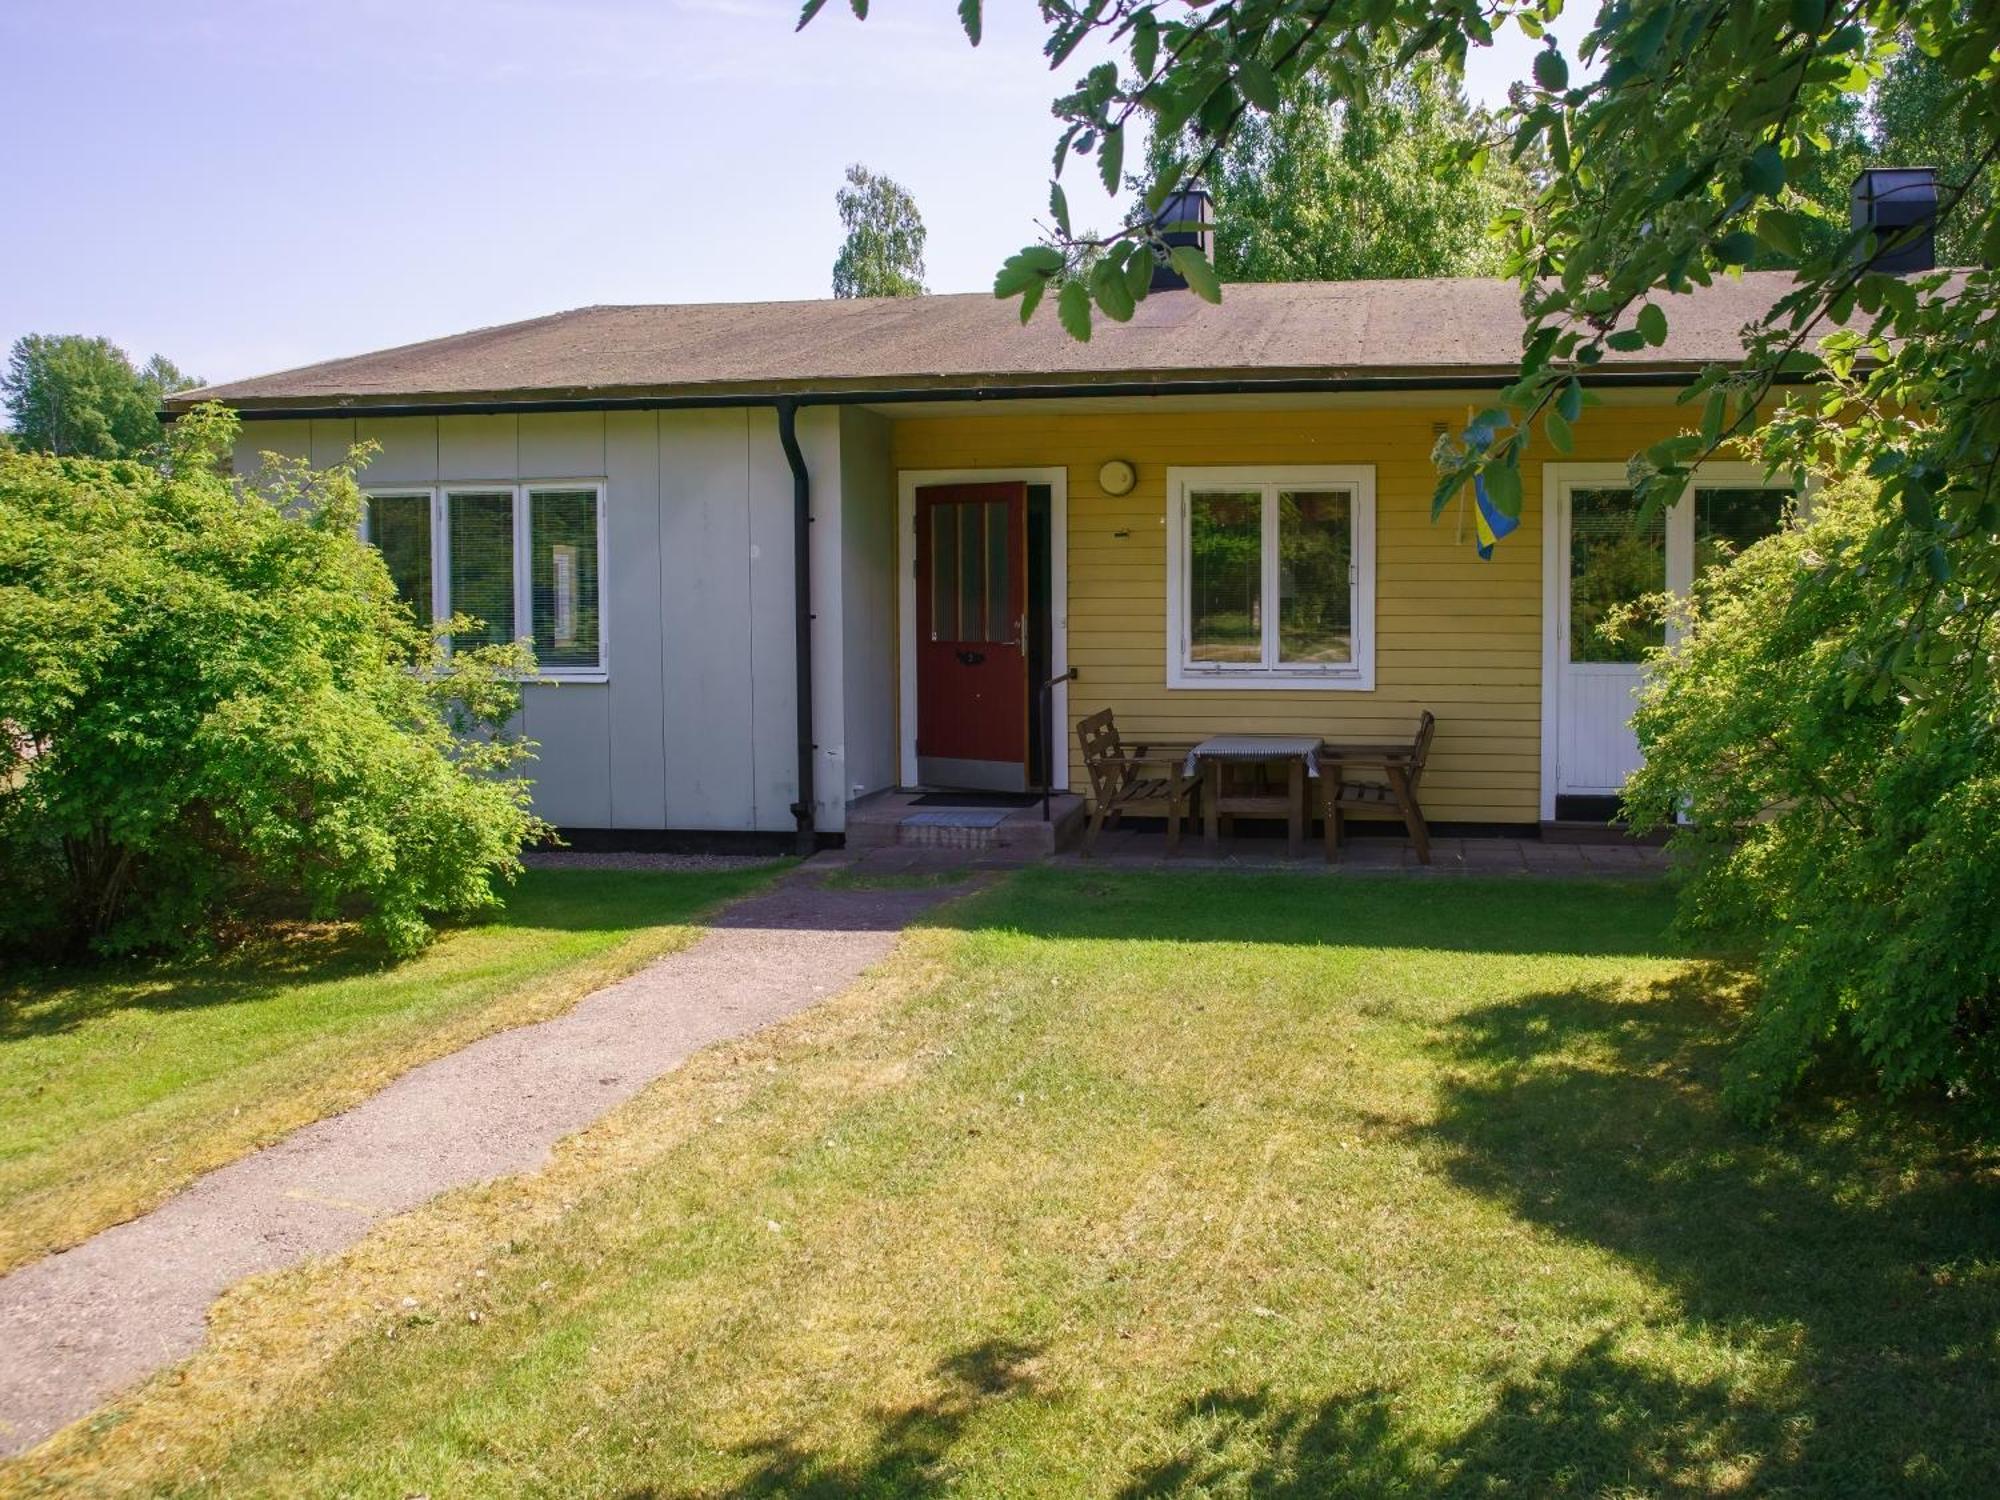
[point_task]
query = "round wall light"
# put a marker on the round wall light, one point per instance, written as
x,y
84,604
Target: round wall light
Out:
x,y
1117,477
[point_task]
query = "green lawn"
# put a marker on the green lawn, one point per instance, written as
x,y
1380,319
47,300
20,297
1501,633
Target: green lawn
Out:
x,y
1159,1185
119,1084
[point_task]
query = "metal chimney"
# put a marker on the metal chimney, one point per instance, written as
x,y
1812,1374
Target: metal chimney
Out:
x,y
1899,205
1186,208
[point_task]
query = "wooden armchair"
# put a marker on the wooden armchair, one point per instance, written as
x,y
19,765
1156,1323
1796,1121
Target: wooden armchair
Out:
x,y
1141,779
1402,768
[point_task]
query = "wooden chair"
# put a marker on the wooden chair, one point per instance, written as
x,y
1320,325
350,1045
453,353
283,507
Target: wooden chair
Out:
x,y
1395,794
1120,783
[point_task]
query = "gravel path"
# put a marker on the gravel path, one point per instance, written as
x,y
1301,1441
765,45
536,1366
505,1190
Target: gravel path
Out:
x,y
78,1327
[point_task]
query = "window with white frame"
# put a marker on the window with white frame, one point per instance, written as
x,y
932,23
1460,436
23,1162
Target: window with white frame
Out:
x,y
563,572
480,565
521,560
1271,577
400,527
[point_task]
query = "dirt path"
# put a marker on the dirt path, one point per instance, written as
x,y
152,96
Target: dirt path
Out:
x,y
78,1327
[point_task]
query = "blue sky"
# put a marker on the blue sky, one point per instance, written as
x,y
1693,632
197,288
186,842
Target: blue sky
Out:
x,y
246,186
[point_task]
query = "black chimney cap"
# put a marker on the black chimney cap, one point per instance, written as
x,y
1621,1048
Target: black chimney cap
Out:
x,y
1189,206
1899,206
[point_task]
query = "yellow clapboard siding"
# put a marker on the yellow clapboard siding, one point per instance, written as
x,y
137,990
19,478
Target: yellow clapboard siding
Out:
x,y
1462,627
1453,634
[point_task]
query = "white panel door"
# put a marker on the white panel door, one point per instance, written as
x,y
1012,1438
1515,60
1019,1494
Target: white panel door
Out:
x,y
1601,558
1598,748
1608,561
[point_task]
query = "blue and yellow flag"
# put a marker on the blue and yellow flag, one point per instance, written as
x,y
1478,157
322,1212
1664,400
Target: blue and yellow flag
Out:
x,y
1492,524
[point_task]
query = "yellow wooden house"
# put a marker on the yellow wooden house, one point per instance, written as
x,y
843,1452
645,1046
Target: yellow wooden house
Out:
x,y
778,559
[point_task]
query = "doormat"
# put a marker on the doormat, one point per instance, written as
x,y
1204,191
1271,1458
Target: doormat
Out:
x,y
977,799
963,818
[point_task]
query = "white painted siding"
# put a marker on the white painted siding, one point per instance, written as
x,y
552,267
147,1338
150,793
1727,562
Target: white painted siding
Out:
x,y
633,525
292,439
408,448
331,440
479,448
868,601
570,724
703,599
769,686
694,728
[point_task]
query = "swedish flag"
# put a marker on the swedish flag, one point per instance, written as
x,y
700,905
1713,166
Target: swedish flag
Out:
x,y
1492,524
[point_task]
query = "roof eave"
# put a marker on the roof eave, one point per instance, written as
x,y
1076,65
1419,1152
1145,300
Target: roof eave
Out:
x,y
918,388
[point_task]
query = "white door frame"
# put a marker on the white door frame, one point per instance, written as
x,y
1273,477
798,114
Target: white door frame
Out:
x,y
1555,571
908,482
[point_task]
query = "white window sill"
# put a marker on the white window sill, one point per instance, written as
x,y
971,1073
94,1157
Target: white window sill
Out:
x,y
556,677
1292,682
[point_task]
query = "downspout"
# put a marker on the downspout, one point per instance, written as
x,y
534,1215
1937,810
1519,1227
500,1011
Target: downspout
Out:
x,y
802,618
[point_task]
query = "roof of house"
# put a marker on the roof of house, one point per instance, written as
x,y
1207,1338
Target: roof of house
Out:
x,y
1362,331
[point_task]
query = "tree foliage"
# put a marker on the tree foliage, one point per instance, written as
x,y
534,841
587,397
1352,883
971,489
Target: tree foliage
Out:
x,y
1682,158
1857,834
1819,188
70,394
1914,118
1331,188
1684,140
210,695
883,254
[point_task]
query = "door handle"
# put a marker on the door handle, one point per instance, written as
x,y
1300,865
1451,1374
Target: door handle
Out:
x,y
971,658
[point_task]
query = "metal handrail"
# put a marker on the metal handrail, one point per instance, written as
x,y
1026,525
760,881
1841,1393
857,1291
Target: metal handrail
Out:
x,y
1048,744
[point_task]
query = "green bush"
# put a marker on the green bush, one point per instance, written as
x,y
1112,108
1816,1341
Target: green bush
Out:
x,y
1850,827
210,697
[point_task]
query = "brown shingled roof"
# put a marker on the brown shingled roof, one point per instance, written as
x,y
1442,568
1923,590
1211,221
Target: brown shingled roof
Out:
x,y
1324,329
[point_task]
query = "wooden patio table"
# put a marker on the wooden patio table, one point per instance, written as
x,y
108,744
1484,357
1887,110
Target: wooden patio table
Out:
x,y
1300,754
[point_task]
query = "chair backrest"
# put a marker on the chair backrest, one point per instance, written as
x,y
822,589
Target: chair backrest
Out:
x,y
1102,751
1420,751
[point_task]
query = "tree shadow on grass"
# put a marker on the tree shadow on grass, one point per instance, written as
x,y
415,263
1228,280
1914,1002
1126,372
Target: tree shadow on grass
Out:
x,y
279,947
1827,1316
1592,1424
51,1001
911,1445
1845,1264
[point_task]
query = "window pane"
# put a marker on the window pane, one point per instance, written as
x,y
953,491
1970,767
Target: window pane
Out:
x,y
999,591
1613,562
1315,566
482,565
1225,576
944,572
1728,520
563,556
400,528
971,572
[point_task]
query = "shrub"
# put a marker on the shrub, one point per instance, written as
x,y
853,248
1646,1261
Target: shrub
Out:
x,y
210,695
1850,826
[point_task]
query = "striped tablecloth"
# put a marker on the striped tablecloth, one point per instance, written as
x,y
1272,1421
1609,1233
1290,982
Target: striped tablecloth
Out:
x,y
1243,747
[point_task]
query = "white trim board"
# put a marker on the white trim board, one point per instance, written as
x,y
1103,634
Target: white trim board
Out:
x,y
908,482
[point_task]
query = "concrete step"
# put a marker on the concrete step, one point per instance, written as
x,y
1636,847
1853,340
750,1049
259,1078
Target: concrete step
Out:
x,y
894,819
1012,835
870,834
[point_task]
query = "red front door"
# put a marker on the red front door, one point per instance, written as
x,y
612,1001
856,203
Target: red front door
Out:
x,y
972,663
